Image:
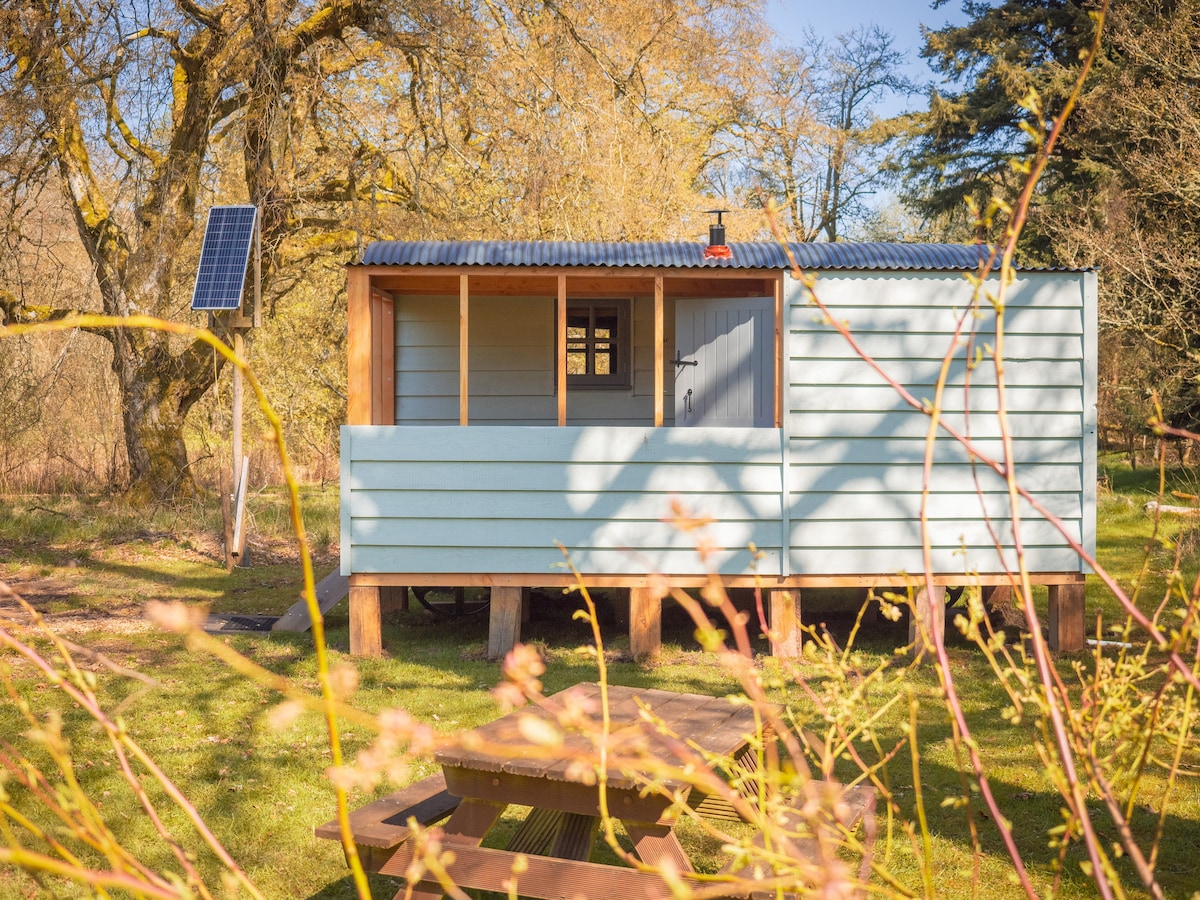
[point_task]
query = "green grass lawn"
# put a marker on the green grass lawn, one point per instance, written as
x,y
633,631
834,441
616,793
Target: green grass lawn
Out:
x,y
90,566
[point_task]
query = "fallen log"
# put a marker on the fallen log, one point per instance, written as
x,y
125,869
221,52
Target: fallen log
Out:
x,y
1155,506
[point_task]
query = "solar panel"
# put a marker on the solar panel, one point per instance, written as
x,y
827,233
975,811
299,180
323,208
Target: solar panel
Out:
x,y
223,257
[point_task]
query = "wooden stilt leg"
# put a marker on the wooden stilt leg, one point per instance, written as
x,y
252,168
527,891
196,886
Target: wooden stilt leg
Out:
x,y
785,624
393,599
870,611
365,636
504,624
928,618
621,607
645,623
1066,617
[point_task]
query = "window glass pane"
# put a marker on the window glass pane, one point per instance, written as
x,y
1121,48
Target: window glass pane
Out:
x,y
596,341
605,322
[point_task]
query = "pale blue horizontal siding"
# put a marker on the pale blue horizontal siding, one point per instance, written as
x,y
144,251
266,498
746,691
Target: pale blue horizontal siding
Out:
x,y
499,499
903,422
942,505
925,373
856,449
843,493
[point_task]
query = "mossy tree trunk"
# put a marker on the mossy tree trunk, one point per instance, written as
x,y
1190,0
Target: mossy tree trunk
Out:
x,y
74,75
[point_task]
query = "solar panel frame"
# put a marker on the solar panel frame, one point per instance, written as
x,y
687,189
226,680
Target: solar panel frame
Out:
x,y
224,255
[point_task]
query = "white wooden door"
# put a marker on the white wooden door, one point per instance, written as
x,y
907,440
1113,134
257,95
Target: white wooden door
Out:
x,y
724,370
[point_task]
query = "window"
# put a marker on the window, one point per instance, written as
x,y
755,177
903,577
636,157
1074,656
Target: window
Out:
x,y
598,344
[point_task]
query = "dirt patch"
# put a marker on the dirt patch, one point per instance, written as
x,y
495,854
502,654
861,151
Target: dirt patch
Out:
x,y
41,594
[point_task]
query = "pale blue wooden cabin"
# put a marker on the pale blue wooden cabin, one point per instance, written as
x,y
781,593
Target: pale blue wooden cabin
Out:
x,y
508,397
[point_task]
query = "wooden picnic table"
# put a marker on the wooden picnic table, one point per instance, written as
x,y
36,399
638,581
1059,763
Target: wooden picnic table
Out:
x,y
514,761
557,836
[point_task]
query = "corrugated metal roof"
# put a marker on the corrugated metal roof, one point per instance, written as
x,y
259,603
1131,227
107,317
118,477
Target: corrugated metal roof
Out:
x,y
673,254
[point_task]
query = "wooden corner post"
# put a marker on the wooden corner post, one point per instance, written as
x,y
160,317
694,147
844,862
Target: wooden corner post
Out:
x,y
370,382
359,347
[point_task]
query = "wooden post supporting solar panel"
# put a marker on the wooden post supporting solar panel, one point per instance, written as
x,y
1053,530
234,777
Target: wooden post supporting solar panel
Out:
x,y
230,234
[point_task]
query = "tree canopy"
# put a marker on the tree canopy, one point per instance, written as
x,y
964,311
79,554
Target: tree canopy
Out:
x,y
1119,195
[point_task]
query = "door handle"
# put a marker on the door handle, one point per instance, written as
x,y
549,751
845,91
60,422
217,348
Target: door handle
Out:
x,y
687,400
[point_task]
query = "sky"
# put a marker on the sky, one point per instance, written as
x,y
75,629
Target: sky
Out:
x,y
903,18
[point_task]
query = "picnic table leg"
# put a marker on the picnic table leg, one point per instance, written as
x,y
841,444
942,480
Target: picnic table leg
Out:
x,y
468,826
657,845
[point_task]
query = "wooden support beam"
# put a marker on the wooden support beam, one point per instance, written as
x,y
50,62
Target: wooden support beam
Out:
x,y
927,618
358,349
659,337
785,624
366,638
567,580
464,346
560,381
645,623
504,622
1066,620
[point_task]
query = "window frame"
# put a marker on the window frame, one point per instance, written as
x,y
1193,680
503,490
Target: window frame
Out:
x,y
622,379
